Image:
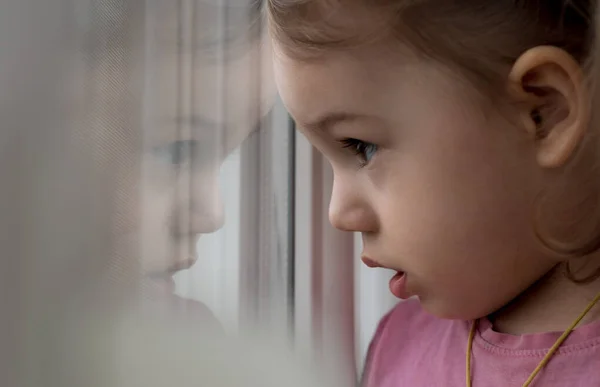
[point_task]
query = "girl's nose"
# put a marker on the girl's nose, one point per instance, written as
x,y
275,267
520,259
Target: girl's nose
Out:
x,y
348,210
206,217
200,210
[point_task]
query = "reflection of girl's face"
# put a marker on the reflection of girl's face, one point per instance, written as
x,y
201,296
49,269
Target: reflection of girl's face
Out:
x,y
197,110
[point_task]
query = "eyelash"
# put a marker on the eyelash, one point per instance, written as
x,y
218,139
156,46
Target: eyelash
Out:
x,y
360,148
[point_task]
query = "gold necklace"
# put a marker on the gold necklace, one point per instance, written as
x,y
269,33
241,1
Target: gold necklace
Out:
x,y
546,358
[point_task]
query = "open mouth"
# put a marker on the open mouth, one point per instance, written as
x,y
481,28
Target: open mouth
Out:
x,y
164,279
397,283
181,265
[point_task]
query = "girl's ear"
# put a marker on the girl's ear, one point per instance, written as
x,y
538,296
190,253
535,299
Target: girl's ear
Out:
x,y
556,110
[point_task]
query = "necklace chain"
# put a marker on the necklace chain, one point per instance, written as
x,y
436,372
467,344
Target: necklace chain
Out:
x,y
546,358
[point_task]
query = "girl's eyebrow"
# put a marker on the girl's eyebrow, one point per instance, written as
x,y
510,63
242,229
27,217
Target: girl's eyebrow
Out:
x,y
168,129
328,120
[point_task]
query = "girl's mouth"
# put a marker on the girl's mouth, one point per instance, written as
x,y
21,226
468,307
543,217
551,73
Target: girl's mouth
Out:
x,y
397,282
398,286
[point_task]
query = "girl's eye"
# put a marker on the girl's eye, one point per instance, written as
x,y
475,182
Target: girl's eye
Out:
x,y
176,152
365,150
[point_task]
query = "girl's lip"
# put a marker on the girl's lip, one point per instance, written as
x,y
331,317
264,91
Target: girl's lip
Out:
x,y
169,271
182,265
398,286
370,262
164,279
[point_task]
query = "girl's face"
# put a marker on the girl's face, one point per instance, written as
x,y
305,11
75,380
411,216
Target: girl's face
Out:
x,y
201,101
439,188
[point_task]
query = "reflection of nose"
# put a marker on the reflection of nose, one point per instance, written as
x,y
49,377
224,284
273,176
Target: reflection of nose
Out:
x,y
206,215
348,211
200,208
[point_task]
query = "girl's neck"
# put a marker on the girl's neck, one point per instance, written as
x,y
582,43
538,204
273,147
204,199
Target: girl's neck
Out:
x,y
552,304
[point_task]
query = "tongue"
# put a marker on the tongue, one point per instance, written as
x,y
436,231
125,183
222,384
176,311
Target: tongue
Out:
x,y
398,286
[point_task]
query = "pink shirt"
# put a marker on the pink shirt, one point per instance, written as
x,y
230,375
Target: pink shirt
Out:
x,y
413,348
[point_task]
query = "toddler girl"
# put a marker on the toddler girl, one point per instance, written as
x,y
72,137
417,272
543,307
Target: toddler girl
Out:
x,y
465,151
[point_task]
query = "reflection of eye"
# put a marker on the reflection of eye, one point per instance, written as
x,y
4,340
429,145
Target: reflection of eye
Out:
x,y
365,150
176,152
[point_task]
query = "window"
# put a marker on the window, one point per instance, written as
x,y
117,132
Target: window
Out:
x,y
137,126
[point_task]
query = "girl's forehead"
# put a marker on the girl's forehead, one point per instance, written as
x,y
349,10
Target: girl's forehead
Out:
x,y
349,83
